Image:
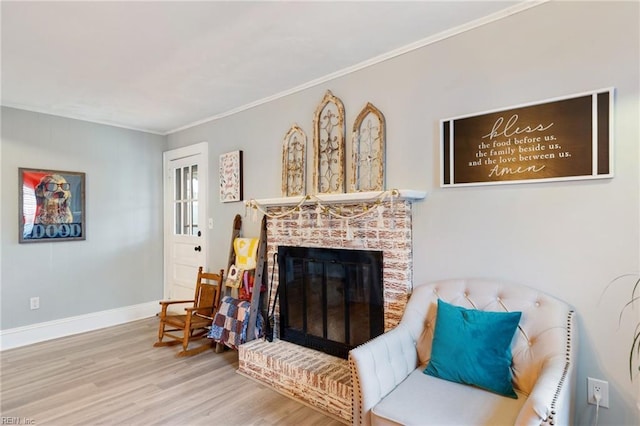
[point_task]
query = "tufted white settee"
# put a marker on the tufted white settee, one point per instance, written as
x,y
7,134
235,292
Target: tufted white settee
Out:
x,y
390,388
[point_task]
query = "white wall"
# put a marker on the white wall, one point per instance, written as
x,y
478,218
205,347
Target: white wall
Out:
x,y
120,262
568,239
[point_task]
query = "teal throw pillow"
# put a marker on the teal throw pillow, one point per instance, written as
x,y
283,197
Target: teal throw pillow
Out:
x,y
474,347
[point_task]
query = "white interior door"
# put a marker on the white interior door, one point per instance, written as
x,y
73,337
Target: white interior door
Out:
x,y
185,219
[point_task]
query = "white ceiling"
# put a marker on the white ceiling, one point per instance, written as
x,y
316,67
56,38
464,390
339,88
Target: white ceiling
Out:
x,y
160,66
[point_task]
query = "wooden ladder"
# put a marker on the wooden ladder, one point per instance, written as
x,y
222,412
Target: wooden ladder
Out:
x,y
261,267
256,295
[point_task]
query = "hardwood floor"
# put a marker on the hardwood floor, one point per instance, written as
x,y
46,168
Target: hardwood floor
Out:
x,y
116,376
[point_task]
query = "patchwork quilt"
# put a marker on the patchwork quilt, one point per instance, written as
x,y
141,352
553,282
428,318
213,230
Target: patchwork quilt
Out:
x,y
230,323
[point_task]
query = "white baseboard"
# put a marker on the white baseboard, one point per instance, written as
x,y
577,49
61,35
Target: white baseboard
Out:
x,y
34,333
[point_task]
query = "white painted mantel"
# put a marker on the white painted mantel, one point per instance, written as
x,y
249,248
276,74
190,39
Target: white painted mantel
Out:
x,y
341,198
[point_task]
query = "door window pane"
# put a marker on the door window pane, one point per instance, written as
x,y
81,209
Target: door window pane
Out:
x,y
178,178
194,182
185,215
194,218
177,213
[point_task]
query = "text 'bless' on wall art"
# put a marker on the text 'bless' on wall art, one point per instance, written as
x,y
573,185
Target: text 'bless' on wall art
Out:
x,y
560,139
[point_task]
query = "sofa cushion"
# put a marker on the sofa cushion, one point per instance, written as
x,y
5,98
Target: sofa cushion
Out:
x,y
473,347
421,397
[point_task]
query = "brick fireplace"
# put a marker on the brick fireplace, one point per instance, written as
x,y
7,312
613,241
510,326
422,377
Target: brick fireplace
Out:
x,y
315,378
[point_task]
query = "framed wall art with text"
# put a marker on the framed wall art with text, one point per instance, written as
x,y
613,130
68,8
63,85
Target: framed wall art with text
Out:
x,y
565,138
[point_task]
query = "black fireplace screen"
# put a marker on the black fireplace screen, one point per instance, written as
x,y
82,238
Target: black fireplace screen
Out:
x,y
331,300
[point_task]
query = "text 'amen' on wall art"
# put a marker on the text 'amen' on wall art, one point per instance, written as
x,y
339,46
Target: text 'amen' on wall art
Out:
x,y
564,138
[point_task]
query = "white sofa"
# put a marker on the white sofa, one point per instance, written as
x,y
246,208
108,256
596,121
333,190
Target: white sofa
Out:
x,y
390,388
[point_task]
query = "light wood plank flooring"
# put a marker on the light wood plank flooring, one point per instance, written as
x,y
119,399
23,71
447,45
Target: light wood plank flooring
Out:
x,y
116,376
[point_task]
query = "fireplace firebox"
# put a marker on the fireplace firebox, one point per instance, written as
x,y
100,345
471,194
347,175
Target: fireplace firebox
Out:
x,y
331,299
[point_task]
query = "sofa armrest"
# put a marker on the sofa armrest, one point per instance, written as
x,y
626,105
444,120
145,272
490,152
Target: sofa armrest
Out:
x,y
551,399
377,367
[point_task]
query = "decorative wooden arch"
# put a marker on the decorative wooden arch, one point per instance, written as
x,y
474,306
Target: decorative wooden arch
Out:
x,y
368,144
329,146
294,162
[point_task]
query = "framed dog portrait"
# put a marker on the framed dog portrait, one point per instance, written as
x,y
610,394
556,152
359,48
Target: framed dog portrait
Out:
x,y
51,204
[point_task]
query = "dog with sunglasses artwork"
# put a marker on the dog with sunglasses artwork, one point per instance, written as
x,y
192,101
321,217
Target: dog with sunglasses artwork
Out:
x,y
53,197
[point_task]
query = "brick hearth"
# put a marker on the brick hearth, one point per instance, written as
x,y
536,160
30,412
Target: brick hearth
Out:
x,y
315,378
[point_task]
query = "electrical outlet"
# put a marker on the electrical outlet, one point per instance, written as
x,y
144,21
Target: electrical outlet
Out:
x,y
35,303
598,387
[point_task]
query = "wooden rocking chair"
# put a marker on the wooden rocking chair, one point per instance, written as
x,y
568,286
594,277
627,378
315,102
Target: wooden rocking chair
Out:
x,y
196,321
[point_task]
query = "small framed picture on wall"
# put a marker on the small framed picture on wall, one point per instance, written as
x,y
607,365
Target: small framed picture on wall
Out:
x,y
231,177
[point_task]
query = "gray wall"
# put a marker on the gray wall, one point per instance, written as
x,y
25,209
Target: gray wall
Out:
x,y
568,239
120,262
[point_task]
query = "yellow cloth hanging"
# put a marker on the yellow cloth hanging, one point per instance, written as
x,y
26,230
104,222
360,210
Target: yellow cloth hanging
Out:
x,y
246,250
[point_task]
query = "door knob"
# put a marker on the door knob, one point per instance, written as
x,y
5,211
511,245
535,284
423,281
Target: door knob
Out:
x,y
198,248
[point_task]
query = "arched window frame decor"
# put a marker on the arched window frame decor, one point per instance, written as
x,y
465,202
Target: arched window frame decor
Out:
x,y
368,146
329,146
294,162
